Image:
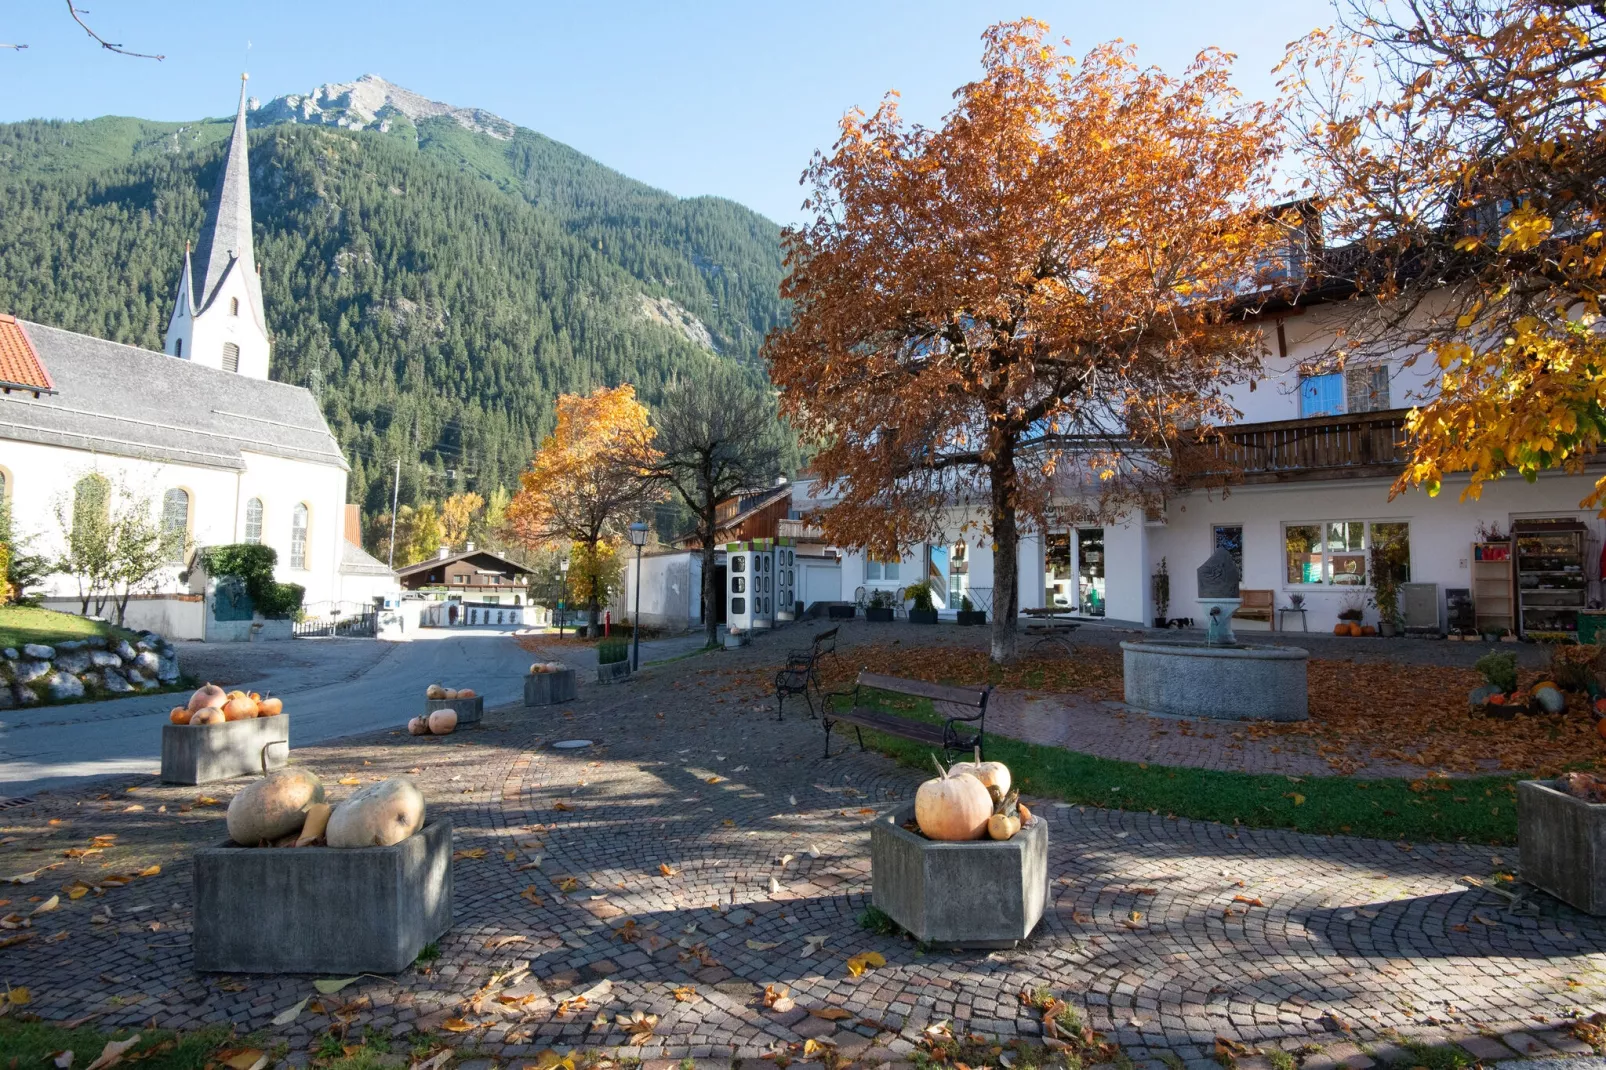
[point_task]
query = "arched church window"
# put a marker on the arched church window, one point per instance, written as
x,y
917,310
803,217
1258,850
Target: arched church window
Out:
x,y
176,523
298,536
234,306
231,357
253,520
91,512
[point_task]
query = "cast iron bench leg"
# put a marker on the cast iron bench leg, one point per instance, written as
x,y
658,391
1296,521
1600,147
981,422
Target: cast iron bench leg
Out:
x,y
860,735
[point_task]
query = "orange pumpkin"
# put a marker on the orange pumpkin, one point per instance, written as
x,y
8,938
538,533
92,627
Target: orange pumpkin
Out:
x,y
239,709
1600,727
467,692
1341,628
1496,700
1600,705
1368,631
210,715
179,715
270,707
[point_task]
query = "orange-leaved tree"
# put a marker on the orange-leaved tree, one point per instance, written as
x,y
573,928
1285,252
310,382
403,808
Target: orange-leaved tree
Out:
x,y
1457,146
1032,300
585,484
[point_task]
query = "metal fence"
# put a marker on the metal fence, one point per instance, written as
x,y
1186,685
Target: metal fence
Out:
x,y
352,625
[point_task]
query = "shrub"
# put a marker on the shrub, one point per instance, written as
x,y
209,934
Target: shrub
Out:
x,y
920,595
253,564
612,650
1499,670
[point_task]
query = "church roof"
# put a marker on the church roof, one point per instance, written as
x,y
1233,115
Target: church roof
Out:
x,y
131,402
355,561
225,244
19,364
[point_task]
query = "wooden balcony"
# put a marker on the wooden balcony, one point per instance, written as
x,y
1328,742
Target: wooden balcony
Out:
x,y
1321,447
801,530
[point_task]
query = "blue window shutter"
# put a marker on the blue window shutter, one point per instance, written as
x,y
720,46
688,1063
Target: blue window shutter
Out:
x,y
1321,395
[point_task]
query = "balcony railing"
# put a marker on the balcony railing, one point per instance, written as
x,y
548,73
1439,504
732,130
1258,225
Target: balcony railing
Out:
x,y
1320,447
798,529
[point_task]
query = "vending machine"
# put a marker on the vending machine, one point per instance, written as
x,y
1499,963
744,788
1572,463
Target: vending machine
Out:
x,y
763,583
739,594
785,580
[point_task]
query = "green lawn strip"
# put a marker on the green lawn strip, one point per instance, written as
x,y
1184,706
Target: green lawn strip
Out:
x,y
31,624
31,1044
1475,809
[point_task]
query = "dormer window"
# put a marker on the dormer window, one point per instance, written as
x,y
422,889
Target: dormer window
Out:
x,y
234,306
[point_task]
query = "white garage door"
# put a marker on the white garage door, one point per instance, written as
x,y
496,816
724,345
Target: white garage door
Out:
x,y
820,582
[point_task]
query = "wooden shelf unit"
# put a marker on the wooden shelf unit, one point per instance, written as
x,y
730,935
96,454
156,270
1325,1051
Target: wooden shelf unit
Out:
x,y
1493,600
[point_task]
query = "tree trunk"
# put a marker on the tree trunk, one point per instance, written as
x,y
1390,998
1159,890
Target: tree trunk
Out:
x,y
593,625
711,591
1006,557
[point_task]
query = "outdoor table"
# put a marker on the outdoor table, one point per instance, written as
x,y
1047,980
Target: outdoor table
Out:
x,y
1283,613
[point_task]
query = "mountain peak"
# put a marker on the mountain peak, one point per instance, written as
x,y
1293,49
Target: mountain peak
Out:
x,y
369,103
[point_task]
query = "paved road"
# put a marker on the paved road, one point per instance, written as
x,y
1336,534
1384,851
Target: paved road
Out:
x,y
353,691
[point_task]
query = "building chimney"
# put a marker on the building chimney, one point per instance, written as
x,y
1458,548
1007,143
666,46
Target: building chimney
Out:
x,y
468,547
443,553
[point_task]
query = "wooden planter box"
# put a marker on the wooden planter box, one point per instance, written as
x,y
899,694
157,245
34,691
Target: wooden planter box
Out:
x,y
469,710
323,910
613,672
980,893
1562,843
201,753
550,688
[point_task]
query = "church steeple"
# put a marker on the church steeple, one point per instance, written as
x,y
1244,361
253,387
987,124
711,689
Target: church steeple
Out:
x,y
217,316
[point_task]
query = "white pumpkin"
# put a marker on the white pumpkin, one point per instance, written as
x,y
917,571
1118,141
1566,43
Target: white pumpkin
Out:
x,y
274,806
418,727
442,722
953,806
434,691
377,815
991,774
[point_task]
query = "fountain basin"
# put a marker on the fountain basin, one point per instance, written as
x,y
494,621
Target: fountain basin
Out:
x,y
1231,683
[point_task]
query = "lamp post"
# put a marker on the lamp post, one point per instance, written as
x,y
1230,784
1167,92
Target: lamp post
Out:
x,y
563,594
638,538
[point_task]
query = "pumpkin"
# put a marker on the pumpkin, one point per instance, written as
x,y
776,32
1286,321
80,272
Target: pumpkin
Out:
x,y
209,715
1550,698
1546,683
377,815
435,691
467,692
270,707
179,715
1025,814
449,693
994,776
952,807
274,806
442,722
239,709
418,727
1002,826
1341,628
1600,728
1600,705
1368,631
207,695
1496,699
237,694
317,820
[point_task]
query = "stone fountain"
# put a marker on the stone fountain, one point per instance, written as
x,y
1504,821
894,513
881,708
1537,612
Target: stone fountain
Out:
x,y
1219,677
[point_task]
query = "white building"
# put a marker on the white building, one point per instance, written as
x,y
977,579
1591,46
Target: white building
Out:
x,y
221,451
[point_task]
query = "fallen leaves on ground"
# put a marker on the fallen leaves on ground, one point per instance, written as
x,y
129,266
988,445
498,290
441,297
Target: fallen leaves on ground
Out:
x,y
667,870
469,854
112,1053
685,994
638,1024
865,960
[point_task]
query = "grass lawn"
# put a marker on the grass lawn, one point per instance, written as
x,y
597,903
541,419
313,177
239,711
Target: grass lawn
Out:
x,y
1475,809
33,1044
30,624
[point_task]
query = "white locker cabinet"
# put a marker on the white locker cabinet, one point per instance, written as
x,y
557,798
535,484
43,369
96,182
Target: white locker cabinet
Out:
x,y
738,586
785,580
763,551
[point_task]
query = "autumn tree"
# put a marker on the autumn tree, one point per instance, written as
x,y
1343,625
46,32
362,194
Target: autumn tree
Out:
x,y
716,435
458,516
585,485
425,535
1029,300
1458,149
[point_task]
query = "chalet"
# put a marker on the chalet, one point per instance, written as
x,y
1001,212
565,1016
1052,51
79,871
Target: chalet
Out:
x,y
476,576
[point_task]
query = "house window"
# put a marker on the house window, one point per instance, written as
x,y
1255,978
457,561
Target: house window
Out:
x,y
298,536
1230,537
1367,388
880,570
253,520
493,599
178,348
5,487
231,357
1337,552
176,523
1321,395
234,306
91,510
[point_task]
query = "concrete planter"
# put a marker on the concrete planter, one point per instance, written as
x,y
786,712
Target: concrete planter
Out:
x,y
922,616
877,615
1562,843
982,893
1235,683
323,910
613,672
201,753
736,642
469,710
550,688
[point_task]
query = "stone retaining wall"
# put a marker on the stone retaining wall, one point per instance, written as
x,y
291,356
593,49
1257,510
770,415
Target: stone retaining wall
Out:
x,y
85,668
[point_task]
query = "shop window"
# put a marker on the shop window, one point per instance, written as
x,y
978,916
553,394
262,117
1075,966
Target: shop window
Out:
x,y
1338,552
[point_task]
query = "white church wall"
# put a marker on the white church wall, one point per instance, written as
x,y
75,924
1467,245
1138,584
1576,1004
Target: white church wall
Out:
x,y
227,320
282,484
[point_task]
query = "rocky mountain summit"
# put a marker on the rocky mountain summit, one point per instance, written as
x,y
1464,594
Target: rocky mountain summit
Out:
x,y
371,103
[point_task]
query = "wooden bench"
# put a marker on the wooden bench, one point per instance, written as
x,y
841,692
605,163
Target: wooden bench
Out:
x,y
949,735
802,669
1257,605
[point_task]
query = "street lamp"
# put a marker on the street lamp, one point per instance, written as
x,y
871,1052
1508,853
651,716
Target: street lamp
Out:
x,y
638,538
563,594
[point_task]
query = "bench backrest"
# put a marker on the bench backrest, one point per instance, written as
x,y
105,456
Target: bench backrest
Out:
x,y
1255,599
960,696
826,640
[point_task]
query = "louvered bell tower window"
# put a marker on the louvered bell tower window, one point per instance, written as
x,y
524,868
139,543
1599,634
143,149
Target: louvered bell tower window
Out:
x,y
231,357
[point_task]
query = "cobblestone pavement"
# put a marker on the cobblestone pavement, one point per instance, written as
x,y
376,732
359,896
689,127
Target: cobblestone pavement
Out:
x,y
710,848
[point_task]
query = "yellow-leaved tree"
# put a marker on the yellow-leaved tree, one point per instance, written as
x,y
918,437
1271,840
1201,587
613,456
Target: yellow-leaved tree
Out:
x,y
584,485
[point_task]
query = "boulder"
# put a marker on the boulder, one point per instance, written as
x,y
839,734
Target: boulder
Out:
x,y
29,671
71,644
134,676
147,663
105,659
73,661
89,679
7,699
25,696
115,683
124,650
10,652
65,685
39,651
149,685
144,645
167,669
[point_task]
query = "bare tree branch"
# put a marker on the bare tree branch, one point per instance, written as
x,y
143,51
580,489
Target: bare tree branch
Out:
x,y
77,16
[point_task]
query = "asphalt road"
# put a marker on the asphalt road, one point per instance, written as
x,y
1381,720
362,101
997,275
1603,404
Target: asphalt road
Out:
x,y
53,747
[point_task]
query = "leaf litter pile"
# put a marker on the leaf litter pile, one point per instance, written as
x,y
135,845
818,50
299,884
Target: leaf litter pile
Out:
x,y
1359,711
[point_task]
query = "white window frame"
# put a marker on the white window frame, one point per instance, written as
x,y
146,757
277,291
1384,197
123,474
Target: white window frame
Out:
x,y
189,514
876,571
262,519
304,510
1326,581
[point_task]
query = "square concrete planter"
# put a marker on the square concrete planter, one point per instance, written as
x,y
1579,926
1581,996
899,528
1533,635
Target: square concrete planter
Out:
x,y
981,893
469,710
324,910
201,753
550,688
613,672
737,641
841,612
1562,843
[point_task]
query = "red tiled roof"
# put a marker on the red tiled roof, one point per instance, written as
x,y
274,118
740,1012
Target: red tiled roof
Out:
x,y
20,366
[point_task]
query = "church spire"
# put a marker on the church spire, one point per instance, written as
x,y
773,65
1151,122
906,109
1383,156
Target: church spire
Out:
x,y
225,241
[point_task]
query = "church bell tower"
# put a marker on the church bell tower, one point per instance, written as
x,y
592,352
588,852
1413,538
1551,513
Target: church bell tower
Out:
x,y
217,314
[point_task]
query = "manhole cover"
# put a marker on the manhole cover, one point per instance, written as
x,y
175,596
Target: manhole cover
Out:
x,y
571,744
7,802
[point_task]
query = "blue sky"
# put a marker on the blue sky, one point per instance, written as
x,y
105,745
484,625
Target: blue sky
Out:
x,y
696,98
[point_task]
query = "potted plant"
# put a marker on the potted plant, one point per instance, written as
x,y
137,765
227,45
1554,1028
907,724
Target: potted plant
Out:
x,y
1353,608
1160,586
922,611
1388,571
879,611
968,614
